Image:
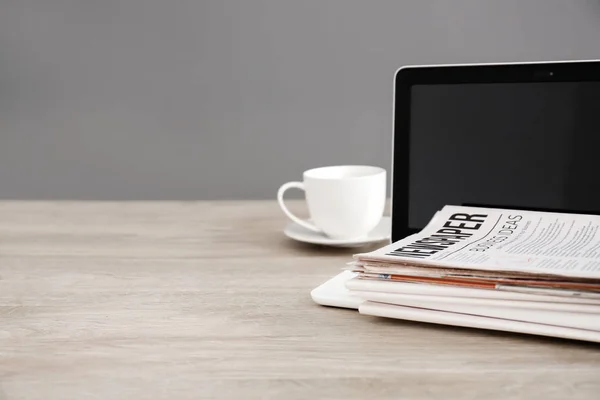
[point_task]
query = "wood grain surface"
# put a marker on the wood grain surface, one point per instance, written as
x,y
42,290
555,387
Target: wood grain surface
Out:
x,y
210,300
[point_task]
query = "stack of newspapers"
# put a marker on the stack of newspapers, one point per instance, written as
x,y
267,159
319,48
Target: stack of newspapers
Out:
x,y
511,270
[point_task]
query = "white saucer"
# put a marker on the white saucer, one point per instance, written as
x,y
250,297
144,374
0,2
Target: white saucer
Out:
x,y
380,233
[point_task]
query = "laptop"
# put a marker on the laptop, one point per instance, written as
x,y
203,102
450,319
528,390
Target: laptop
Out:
x,y
522,136
509,135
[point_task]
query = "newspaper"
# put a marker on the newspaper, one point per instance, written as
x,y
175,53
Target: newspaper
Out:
x,y
485,245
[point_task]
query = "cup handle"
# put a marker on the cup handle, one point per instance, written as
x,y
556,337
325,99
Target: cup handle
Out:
x,y
280,192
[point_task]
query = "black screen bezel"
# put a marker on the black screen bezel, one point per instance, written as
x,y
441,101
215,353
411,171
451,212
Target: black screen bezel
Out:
x,y
405,78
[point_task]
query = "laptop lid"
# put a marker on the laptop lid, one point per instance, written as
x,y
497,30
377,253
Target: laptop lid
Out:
x,y
498,135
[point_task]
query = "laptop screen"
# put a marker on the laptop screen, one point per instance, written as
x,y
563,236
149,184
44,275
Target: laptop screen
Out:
x,y
523,145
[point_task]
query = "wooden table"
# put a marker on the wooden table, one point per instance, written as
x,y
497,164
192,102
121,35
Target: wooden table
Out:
x,y
210,300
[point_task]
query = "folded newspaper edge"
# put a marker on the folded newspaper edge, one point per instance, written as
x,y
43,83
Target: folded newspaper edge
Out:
x,y
475,321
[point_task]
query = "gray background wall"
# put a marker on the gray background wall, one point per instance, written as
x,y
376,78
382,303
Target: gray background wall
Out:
x,y
227,99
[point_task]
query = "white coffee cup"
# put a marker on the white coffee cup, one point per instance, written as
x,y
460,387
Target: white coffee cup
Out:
x,y
344,202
